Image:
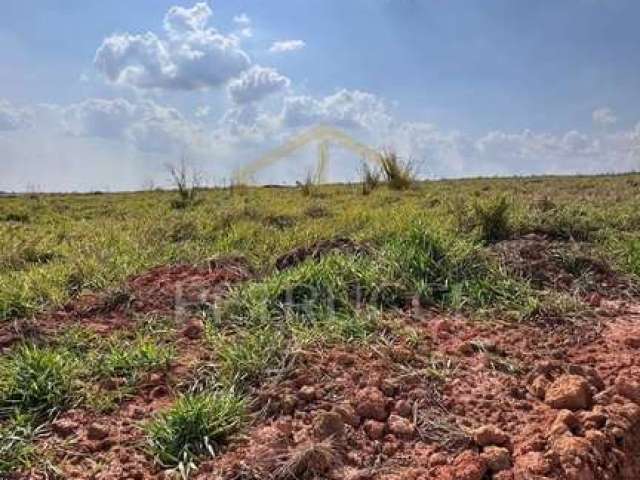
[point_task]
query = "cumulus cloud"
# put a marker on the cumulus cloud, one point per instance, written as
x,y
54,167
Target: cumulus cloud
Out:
x,y
287,46
345,108
13,117
604,117
148,126
257,83
190,55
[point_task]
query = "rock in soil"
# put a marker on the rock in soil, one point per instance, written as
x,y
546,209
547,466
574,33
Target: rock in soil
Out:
x,y
570,392
371,403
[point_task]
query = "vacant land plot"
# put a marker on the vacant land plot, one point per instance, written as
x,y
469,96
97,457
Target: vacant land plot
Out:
x,y
469,329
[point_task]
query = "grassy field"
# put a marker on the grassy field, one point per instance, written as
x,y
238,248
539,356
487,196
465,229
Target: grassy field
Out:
x,y
430,244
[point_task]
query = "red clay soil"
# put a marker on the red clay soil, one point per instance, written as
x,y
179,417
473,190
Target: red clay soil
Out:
x,y
518,402
163,290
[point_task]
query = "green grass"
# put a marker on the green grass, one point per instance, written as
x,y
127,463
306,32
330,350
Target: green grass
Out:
x,y
195,426
38,380
248,356
17,449
67,243
130,359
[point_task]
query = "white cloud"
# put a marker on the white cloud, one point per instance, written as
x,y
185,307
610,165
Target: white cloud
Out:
x,y
345,108
256,83
604,116
12,117
242,19
202,111
145,125
287,46
191,55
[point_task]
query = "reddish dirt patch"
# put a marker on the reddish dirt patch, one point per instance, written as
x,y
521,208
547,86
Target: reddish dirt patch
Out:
x,y
163,290
516,402
319,249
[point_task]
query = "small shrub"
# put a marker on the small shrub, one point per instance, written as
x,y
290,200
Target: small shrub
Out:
x,y
371,178
187,181
306,186
38,381
493,219
194,427
398,174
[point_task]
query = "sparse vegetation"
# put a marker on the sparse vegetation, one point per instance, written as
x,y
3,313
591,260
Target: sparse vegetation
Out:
x,y
326,278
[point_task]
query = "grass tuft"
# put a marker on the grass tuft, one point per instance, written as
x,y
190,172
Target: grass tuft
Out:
x,y
194,427
37,380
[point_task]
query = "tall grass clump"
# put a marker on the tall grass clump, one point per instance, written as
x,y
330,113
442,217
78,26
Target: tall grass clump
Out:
x,y
195,426
398,174
492,219
452,273
38,381
371,178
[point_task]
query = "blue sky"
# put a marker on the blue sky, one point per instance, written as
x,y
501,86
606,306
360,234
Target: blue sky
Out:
x,y
103,94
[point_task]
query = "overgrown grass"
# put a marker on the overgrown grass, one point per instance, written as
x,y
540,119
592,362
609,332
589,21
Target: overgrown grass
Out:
x,y
195,426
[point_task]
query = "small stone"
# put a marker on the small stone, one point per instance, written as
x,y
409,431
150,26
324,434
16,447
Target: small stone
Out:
x,y
400,426
530,464
374,429
490,435
564,422
569,392
538,387
97,431
371,403
328,424
469,466
193,329
348,414
64,427
437,459
403,408
497,458
628,388
307,393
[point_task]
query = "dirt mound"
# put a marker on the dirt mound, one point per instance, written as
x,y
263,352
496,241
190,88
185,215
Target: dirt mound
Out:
x,y
559,265
319,249
180,286
162,290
